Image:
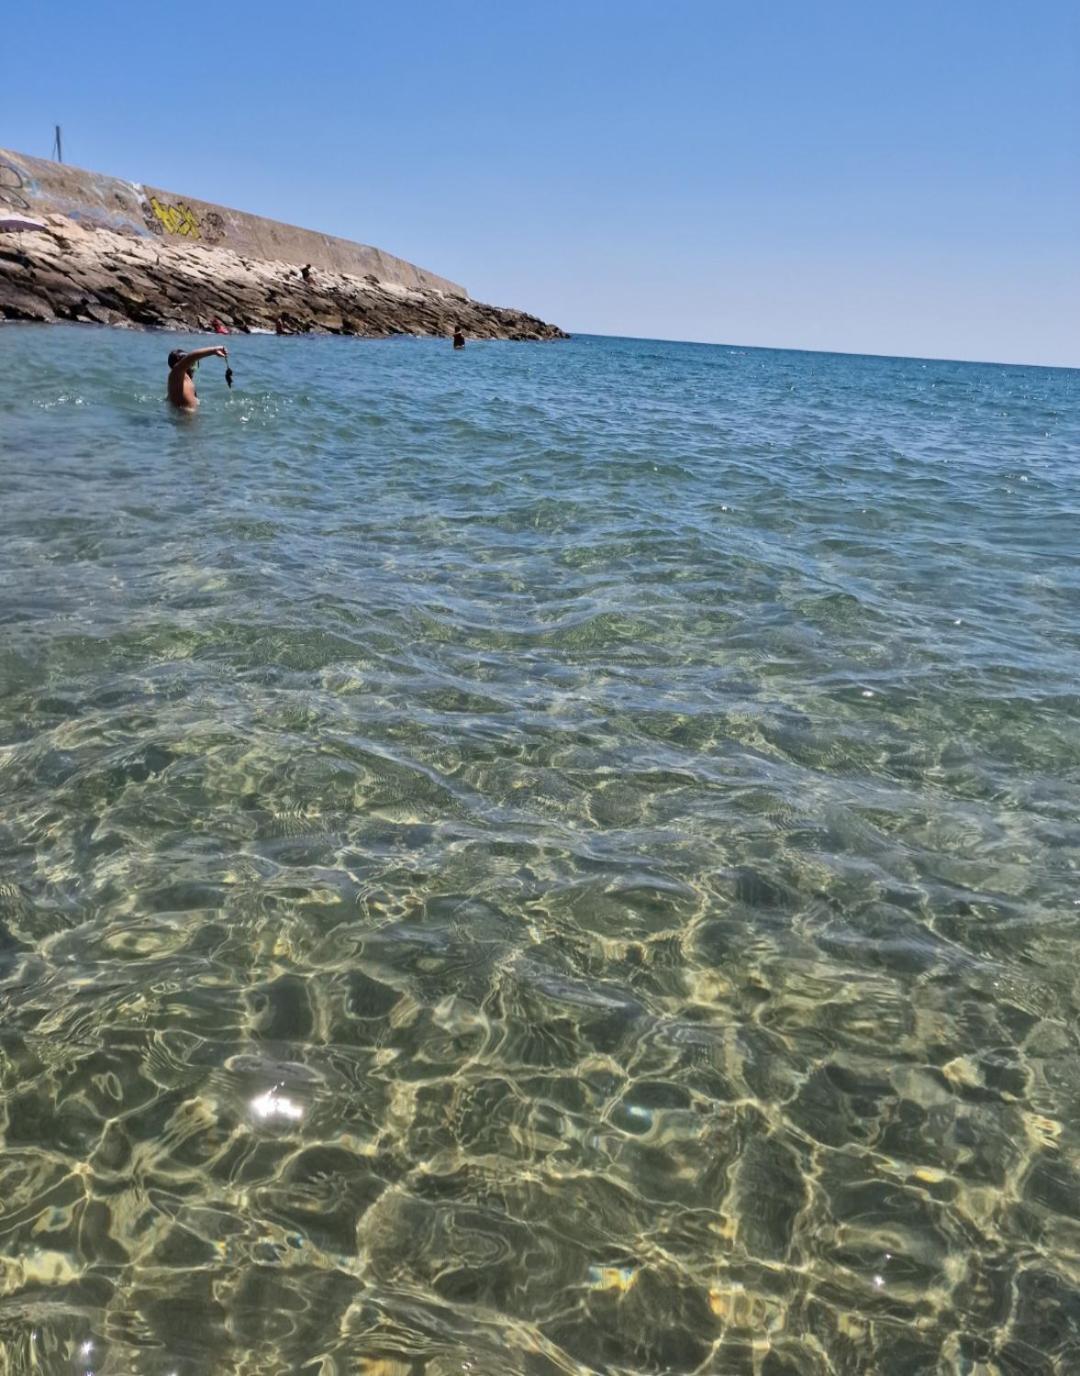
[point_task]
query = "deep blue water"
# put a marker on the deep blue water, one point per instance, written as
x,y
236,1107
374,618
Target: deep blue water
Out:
x,y
553,858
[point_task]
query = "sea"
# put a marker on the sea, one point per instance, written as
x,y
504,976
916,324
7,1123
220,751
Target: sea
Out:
x,y
538,860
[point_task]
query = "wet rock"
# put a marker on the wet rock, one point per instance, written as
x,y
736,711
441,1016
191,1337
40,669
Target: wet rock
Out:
x,y
21,302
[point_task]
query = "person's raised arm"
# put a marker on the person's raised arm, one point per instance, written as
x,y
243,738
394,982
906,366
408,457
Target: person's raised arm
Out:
x,y
196,355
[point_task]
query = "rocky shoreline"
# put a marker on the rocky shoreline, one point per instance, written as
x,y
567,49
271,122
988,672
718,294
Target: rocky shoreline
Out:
x,y
67,272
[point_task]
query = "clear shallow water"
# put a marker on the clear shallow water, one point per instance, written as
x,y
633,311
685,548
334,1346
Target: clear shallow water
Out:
x,y
559,858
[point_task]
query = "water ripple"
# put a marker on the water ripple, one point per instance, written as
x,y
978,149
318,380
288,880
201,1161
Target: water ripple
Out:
x,y
545,860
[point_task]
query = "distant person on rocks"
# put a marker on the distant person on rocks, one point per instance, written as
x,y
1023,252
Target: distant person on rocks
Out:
x,y
218,327
305,272
182,375
459,338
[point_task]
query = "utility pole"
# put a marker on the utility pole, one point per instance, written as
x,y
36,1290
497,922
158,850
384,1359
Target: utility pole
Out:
x,y
58,149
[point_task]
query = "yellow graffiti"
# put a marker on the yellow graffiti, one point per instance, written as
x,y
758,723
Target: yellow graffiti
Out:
x,y
177,219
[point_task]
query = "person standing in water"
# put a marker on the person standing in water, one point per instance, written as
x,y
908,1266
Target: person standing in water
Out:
x,y
182,393
459,338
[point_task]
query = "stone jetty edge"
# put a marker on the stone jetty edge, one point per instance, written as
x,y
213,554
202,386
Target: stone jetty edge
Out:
x,y
69,272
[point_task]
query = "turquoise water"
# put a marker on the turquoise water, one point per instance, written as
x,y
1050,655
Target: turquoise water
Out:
x,y
552,859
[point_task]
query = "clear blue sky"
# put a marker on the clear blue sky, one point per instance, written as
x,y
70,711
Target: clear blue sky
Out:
x,y
889,176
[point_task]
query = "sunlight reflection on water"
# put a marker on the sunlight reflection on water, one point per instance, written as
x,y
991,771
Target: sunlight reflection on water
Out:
x,y
554,859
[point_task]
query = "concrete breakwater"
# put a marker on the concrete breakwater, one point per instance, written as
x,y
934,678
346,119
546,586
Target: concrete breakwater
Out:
x,y
78,246
37,187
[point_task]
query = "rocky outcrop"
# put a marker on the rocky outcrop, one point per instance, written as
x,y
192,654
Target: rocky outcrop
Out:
x,y
67,272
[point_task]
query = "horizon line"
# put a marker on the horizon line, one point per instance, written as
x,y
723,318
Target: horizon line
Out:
x,y
838,353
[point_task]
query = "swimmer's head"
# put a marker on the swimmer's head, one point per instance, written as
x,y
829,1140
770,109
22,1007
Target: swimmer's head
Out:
x,y
175,357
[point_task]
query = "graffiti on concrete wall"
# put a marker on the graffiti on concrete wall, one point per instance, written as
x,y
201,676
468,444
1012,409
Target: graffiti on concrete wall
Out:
x,y
13,187
213,227
165,217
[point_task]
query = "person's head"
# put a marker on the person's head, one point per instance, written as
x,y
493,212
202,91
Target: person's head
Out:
x,y
175,357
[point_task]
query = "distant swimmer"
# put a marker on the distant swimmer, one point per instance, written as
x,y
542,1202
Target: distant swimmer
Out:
x,y
459,338
182,375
